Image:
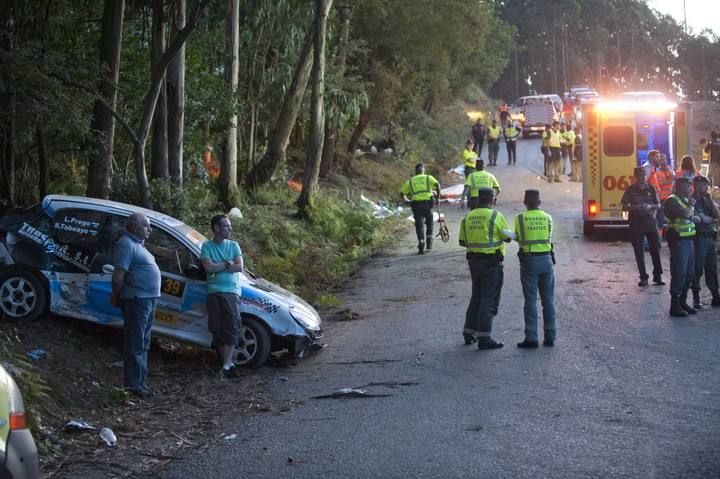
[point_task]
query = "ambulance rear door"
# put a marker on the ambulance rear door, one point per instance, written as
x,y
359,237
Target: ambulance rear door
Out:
x,y
617,159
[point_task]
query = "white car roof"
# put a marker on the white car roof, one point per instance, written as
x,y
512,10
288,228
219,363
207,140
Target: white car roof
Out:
x,y
58,202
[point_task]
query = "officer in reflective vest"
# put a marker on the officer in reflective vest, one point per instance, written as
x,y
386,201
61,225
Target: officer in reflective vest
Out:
x,y
484,233
493,141
680,236
473,183
469,158
418,190
511,134
534,234
554,165
567,145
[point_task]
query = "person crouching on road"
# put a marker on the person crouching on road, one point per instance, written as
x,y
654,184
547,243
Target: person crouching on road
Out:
x,y
419,190
473,183
136,289
706,217
222,259
483,232
469,158
534,234
642,202
679,210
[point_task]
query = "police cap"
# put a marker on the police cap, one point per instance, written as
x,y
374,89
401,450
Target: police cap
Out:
x,y
531,195
700,178
485,194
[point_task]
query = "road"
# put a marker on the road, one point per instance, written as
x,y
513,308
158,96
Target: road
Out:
x,y
625,392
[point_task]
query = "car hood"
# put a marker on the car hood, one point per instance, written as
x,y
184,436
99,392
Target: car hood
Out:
x,y
285,297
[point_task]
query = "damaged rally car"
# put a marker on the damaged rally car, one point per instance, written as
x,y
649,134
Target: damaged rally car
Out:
x,y
57,255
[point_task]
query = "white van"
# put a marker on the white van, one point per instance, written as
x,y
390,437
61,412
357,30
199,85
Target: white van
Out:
x,y
518,109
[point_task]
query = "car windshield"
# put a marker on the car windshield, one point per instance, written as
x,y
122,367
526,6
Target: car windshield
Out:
x,y
192,234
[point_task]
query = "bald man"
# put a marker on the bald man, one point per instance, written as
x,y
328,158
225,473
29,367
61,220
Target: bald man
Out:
x,y
136,289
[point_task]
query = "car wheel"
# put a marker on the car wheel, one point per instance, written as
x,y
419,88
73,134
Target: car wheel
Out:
x,y
253,348
22,296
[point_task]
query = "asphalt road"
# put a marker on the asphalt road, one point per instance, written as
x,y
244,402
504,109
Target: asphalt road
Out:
x,y
626,391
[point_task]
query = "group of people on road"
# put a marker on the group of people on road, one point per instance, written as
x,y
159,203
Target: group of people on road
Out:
x,y
561,145
684,198
136,285
484,232
480,134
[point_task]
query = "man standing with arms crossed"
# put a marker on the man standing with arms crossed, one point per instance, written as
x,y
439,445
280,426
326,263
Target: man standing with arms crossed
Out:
x,y
418,190
679,209
534,234
135,289
222,259
706,217
483,232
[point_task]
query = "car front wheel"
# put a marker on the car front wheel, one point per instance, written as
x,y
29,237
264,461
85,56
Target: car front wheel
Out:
x,y
253,348
22,296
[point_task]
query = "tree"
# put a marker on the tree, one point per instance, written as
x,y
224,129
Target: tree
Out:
x,y
228,186
317,111
159,163
103,124
176,99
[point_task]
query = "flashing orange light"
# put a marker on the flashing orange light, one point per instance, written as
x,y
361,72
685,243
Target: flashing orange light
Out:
x,y
592,208
17,421
632,106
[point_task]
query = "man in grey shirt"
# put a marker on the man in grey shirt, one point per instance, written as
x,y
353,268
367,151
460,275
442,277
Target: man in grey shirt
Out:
x,y
135,289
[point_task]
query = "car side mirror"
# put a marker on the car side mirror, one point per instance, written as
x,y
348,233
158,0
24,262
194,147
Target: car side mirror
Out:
x,y
108,269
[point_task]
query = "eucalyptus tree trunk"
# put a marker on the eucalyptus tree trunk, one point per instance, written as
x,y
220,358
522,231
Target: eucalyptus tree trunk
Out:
x,y
103,123
159,163
317,111
331,125
277,145
176,99
228,187
158,73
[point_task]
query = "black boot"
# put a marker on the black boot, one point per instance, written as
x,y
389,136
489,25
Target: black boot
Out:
x,y
428,243
696,299
675,309
716,298
685,306
421,247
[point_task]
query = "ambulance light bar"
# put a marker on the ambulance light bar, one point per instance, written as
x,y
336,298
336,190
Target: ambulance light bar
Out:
x,y
632,106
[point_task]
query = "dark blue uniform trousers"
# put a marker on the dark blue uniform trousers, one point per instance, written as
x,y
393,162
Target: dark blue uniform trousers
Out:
x,y
682,266
486,272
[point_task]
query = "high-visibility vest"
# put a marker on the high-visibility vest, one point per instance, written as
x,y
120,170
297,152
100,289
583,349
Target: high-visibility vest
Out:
x,y
684,226
480,231
493,132
511,133
419,187
662,181
480,179
534,230
469,157
554,140
569,136
545,138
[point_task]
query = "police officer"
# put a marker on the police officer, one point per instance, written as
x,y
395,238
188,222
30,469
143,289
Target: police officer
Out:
x,y
469,158
493,142
642,203
478,136
554,165
706,218
534,234
511,134
418,190
477,180
483,232
679,209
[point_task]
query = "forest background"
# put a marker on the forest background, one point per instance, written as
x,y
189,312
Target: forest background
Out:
x,y
231,99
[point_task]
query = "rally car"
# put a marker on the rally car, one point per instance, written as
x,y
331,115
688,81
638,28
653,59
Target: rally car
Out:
x,y
57,256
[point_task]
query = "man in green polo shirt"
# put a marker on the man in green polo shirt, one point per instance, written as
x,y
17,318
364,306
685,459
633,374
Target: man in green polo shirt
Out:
x,y
418,190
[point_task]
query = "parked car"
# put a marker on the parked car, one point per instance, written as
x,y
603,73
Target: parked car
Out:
x,y
57,256
517,109
18,454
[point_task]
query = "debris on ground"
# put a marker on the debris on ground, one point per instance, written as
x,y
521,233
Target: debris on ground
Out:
x,y
108,436
36,354
350,393
75,425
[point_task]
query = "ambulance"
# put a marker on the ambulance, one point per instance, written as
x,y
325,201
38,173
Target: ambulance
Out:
x,y
616,137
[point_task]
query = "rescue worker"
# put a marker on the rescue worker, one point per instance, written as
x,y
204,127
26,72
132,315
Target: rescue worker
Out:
x,y
483,232
504,113
554,145
576,157
478,136
706,217
569,145
473,183
642,203
679,210
418,190
662,179
545,148
493,141
469,158
511,134
534,234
